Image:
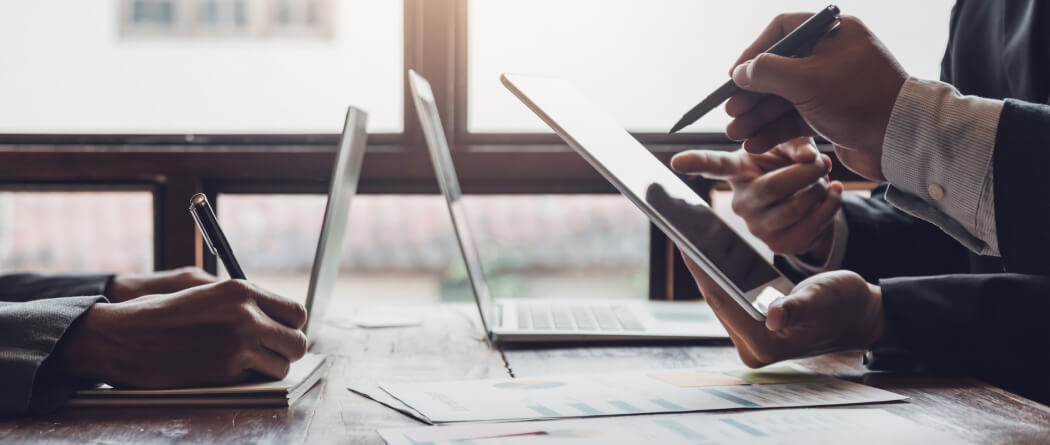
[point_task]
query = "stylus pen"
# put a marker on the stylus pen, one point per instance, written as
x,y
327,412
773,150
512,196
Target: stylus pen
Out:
x,y
213,236
789,46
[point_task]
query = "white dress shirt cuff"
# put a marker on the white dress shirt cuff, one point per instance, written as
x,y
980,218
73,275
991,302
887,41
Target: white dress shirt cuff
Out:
x,y
937,156
840,234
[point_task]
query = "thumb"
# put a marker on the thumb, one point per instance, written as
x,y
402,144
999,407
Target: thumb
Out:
x,y
772,74
804,305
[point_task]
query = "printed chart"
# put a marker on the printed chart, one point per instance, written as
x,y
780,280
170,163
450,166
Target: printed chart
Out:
x,y
644,392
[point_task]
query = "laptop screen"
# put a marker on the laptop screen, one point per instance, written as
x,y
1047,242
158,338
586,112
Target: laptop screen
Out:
x,y
426,107
345,176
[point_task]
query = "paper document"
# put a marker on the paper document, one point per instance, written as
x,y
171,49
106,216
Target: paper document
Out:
x,y
773,427
640,392
302,376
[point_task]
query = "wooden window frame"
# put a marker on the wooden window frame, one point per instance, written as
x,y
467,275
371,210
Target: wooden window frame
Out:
x,y
177,166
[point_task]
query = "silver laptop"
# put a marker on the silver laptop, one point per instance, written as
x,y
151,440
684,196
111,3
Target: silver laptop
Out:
x,y
345,176
550,320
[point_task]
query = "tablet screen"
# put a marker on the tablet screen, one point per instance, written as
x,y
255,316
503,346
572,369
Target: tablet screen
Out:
x,y
668,201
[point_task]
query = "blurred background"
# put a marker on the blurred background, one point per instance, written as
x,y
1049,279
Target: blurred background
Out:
x,y
287,67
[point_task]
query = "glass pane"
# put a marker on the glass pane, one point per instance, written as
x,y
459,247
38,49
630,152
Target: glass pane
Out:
x,y
650,61
196,66
66,232
401,248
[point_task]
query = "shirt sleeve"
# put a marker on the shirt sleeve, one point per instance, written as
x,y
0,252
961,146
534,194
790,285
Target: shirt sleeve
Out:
x,y
840,235
937,156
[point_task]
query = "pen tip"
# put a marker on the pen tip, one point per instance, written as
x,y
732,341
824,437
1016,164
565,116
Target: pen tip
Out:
x,y
676,127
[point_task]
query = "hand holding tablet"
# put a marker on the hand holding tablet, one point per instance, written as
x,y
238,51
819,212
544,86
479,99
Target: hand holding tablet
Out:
x,y
730,260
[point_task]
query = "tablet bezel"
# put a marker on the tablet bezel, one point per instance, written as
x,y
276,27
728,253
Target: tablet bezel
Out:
x,y
754,301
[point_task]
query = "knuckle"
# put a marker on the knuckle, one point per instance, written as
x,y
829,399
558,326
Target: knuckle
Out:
x,y
739,205
239,289
300,345
284,367
299,313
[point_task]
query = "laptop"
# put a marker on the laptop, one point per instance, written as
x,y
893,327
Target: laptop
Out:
x,y
552,320
345,175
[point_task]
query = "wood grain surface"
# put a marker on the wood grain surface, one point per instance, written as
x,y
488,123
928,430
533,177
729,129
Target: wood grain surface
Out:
x,y
450,345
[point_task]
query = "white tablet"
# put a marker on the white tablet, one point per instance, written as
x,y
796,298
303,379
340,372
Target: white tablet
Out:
x,y
670,203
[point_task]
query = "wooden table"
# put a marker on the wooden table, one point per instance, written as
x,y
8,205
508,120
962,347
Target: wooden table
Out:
x,y
450,345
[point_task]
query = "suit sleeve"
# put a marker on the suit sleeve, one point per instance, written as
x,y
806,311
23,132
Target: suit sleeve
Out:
x,y
988,326
879,232
36,313
1022,193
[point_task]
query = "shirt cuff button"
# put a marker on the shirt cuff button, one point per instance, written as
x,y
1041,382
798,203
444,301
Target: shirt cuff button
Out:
x,y
936,191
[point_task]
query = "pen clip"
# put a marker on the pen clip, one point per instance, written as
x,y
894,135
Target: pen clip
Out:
x,y
195,205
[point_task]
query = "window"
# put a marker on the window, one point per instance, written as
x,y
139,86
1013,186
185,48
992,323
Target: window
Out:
x,y
63,231
152,13
226,18
401,248
650,61
81,72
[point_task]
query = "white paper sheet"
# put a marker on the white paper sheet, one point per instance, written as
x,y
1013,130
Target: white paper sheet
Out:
x,y
639,392
799,426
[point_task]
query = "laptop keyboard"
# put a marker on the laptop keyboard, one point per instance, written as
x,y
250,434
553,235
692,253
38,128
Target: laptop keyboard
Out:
x,y
544,317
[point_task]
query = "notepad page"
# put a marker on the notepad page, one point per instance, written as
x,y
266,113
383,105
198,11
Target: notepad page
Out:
x,y
298,374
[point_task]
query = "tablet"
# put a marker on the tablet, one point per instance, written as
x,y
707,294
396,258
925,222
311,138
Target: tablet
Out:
x,y
730,260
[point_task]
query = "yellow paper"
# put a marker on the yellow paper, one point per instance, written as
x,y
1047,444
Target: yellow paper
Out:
x,y
775,375
693,379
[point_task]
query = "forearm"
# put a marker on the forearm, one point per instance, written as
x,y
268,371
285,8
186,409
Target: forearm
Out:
x,y
31,332
988,326
22,287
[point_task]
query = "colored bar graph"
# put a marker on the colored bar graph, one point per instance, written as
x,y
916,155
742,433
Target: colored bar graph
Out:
x,y
731,398
680,429
544,411
744,428
586,409
666,404
626,407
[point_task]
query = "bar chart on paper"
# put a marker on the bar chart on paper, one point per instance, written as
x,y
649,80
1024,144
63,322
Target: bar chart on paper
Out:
x,y
809,426
642,392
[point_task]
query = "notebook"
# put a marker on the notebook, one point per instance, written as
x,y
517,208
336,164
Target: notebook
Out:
x,y
302,376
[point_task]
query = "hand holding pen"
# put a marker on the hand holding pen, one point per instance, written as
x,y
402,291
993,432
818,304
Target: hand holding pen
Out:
x,y
844,91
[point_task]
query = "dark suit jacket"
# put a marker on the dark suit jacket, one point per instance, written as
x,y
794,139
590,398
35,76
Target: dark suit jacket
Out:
x,y
35,312
946,309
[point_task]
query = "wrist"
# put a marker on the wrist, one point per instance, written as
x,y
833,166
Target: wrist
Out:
x,y
874,317
819,251
85,351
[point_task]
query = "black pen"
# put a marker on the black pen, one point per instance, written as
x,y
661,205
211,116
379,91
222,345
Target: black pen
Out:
x,y
213,236
789,46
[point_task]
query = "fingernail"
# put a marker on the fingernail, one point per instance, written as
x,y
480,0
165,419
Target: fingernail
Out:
x,y
742,74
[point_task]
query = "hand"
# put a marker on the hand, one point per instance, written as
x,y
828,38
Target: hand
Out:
x,y
844,91
125,287
827,312
215,334
782,195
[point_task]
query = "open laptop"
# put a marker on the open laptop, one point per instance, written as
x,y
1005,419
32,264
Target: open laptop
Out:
x,y
345,175
550,320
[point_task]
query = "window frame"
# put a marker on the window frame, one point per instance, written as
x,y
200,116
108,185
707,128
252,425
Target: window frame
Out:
x,y
179,165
